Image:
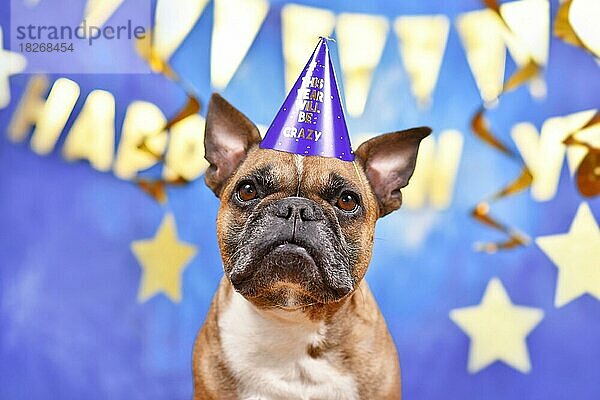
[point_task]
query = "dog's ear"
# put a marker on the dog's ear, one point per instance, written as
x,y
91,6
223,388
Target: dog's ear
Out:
x,y
228,136
389,161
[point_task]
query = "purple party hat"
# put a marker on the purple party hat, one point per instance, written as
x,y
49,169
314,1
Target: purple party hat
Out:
x,y
311,120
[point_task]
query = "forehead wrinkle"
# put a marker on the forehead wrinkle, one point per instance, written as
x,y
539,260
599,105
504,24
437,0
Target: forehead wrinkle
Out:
x,y
319,173
263,174
337,181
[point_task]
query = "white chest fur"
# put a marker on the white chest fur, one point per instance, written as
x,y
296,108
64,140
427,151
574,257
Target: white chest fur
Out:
x,y
268,355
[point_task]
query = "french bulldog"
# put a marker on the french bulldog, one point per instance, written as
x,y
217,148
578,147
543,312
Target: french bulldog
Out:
x,y
292,317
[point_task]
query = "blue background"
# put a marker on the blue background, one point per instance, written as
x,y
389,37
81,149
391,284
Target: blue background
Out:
x,y
70,323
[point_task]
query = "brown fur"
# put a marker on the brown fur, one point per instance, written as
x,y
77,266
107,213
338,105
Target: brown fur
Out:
x,y
357,340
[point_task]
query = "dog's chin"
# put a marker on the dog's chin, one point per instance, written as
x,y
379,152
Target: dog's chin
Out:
x,y
288,278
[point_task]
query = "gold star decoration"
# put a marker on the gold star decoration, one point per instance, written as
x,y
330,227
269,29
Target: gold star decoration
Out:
x,y
162,259
577,257
497,329
11,63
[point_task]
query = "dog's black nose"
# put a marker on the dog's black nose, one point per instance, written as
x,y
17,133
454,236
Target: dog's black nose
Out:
x,y
298,208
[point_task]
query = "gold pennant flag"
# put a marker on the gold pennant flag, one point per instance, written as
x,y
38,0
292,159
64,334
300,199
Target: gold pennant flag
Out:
x,y
481,35
361,39
422,43
526,40
301,27
236,24
486,34
174,20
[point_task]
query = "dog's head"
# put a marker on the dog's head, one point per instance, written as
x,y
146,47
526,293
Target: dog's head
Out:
x,y
297,231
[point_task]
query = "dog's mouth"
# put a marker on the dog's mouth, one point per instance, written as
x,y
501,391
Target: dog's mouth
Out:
x,y
286,275
285,257
293,250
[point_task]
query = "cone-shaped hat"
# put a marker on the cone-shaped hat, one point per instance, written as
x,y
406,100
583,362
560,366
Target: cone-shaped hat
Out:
x,y
311,120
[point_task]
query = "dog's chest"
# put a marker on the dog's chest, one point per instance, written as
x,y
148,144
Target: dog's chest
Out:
x,y
270,360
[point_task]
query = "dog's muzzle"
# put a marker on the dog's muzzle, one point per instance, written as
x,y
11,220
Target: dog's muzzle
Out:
x,y
292,240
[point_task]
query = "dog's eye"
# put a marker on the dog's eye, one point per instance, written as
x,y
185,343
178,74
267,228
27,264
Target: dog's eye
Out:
x,y
347,202
246,191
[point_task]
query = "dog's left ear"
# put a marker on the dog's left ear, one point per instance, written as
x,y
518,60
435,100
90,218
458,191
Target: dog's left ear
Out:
x,y
389,162
228,136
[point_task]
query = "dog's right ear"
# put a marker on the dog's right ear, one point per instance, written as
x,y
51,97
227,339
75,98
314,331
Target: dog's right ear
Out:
x,y
228,136
389,161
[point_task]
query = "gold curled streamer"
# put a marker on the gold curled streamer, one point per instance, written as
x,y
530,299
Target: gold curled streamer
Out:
x,y
522,75
157,188
493,5
515,238
481,128
564,30
481,212
587,176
